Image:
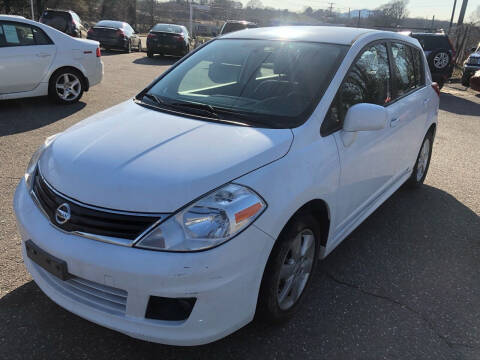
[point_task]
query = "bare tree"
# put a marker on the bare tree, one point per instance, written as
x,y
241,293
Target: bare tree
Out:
x,y
394,12
254,4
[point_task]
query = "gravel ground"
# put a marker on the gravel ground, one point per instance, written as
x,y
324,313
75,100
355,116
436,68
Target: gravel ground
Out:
x,y
404,285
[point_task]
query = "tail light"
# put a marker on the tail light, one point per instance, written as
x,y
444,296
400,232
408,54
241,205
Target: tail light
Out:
x,y
150,36
120,33
180,38
90,32
436,88
99,53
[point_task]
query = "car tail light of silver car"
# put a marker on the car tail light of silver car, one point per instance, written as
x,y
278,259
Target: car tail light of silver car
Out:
x,y
210,221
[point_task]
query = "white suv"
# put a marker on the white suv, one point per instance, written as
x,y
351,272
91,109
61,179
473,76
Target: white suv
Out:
x,y
174,217
38,60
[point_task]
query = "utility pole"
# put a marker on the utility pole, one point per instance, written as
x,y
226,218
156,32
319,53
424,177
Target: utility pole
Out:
x,y
331,8
433,21
191,17
348,13
453,14
462,13
358,21
31,6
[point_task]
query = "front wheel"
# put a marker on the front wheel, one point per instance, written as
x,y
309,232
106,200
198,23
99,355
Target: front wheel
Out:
x,y
423,162
289,269
465,80
128,49
66,87
139,48
150,53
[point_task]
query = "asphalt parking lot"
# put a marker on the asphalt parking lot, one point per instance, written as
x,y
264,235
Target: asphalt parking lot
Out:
x,y
404,285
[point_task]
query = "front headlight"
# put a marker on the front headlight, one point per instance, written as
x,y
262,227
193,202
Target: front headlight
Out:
x,y
32,165
208,222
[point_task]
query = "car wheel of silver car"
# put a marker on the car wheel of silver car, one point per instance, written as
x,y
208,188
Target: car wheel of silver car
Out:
x,y
289,269
423,162
66,86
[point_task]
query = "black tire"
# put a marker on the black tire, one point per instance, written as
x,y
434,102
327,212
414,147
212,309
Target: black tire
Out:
x,y
56,79
465,80
139,47
269,306
128,49
415,180
441,54
149,53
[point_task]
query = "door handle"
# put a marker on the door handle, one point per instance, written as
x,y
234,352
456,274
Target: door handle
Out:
x,y
394,122
42,55
426,101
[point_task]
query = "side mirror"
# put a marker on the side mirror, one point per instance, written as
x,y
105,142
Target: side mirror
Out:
x,y
86,26
363,117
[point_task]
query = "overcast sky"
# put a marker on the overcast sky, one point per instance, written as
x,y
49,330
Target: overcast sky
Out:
x,y
442,9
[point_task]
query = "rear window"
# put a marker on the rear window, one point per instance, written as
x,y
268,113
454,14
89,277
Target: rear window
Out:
x,y
167,28
432,42
55,19
231,27
111,24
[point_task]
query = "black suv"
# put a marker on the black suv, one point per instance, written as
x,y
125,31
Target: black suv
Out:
x,y
440,54
65,21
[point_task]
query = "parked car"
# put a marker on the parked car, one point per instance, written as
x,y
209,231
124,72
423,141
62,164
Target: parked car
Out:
x,y
115,35
38,60
471,65
66,21
218,187
169,39
440,55
236,25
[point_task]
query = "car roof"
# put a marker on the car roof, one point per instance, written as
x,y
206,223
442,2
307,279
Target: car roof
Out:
x,y
239,22
15,18
325,34
428,34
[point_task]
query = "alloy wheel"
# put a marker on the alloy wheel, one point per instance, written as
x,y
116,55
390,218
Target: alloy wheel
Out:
x,y
296,269
423,159
440,60
68,86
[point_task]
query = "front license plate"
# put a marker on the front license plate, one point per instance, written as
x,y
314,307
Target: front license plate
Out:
x,y
49,262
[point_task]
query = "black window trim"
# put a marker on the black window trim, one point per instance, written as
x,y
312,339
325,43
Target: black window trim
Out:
x,y
385,42
27,25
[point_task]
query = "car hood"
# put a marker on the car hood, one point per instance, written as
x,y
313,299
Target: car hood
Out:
x,y
136,159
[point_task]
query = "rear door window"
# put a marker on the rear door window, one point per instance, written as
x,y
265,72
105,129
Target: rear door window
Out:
x,y
419,67
403,69
57,20
432,42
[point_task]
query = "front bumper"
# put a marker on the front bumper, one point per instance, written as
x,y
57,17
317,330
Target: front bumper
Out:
x,y
469,70
224,280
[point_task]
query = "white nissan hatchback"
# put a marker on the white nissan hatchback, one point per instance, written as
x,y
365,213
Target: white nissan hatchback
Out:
x,y
178,215
38,60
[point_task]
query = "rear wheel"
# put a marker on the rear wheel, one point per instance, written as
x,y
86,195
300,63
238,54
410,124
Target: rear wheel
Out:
x,y
139,47
465,80
289,268
423,162
149,53
128,49
66,86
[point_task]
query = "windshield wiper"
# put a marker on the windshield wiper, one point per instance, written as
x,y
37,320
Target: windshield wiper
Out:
x,y
155,98
199,106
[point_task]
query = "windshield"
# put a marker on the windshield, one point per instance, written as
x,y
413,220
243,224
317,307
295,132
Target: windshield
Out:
x,y
261,82
167,28
57,20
